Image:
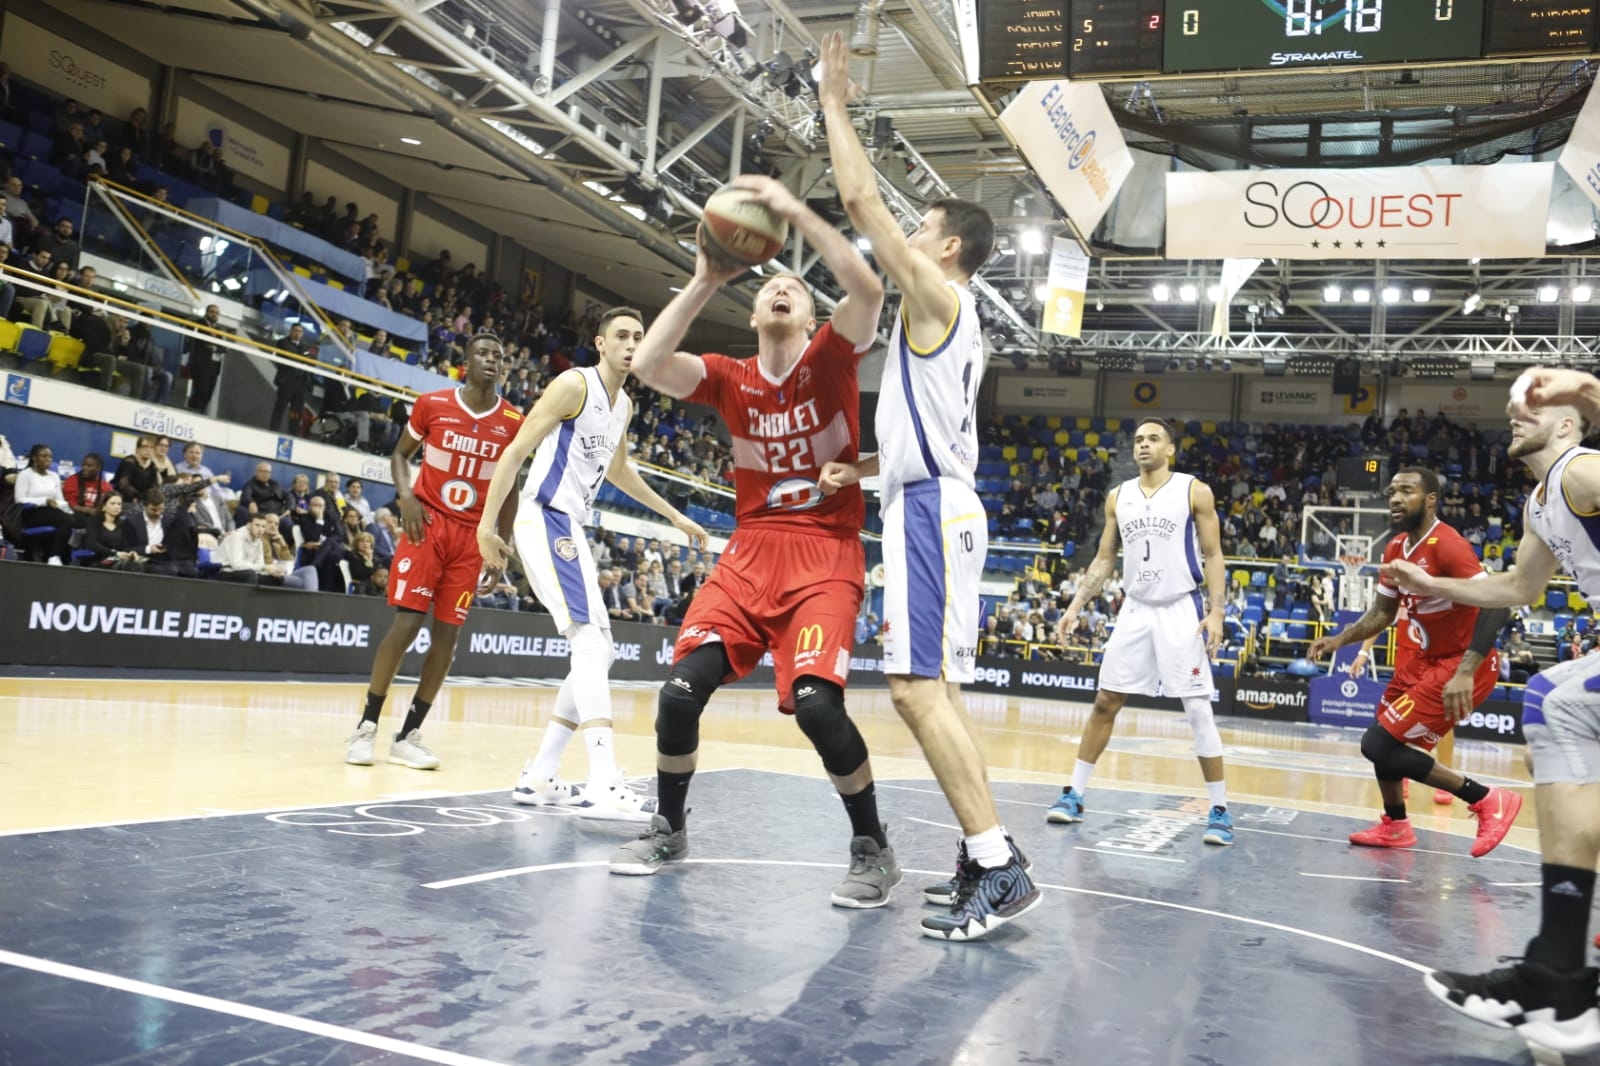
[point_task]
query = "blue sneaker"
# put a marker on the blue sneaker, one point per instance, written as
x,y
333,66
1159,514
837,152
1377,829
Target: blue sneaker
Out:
x,y
1219,830
943,894
985,900
1067,808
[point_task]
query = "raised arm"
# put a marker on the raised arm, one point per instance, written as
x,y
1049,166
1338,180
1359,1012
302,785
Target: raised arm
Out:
x,y
657,361
855,318
561,400
928,303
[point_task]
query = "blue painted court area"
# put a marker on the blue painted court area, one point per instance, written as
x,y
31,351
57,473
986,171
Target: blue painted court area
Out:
x,y
469,930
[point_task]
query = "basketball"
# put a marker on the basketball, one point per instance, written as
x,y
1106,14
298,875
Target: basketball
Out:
x,y
740,229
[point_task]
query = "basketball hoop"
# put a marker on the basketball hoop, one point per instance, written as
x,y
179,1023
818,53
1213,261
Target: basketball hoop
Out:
x,y
1353,564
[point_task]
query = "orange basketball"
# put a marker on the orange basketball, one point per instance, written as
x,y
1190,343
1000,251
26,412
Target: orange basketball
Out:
x,y
742,230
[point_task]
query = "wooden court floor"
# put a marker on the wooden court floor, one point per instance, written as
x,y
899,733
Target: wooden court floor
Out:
x,y
80,752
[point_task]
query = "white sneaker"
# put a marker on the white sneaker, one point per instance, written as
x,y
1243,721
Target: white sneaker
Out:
x,y
55,560
358,749
410,751
545,791
618,803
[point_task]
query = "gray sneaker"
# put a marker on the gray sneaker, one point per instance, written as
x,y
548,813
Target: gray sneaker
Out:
x,y
410,751
358,749
943,894
656,846
873,875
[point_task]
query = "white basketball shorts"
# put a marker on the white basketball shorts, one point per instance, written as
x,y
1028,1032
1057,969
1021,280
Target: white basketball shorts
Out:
x,y
935,537
560,567
1158,650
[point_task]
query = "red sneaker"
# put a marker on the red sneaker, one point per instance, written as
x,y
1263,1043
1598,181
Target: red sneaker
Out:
x,y
1388,833
1443,798
1495,813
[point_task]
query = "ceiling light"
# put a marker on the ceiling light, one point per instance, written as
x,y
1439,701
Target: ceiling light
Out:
x,y
1041,292
409,140
1391,295
1188,292
1161,291
1032,240
1549,294
1421,294
864,244
1213,293
864,30
1471,301
1330,293
1581,294
1361,296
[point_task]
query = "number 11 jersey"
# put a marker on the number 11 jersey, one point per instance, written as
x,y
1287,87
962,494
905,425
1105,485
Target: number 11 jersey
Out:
x,y
461,448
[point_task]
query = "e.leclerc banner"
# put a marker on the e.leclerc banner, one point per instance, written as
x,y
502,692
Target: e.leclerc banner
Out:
x,y
1069,137
1580,156
1378,213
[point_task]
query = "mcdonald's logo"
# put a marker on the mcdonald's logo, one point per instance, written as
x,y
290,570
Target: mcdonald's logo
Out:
x,y
810,640
464,601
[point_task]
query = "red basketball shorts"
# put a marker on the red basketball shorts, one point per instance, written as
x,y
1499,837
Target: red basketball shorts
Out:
x,y
441,573
1412,707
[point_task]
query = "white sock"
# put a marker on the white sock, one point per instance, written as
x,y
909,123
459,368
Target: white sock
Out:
x,y
1080,775
1218,793
602,756
547,763
989,848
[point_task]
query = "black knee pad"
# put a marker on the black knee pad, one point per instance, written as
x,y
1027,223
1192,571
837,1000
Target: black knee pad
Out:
x,y
691,683
819,710
1392,760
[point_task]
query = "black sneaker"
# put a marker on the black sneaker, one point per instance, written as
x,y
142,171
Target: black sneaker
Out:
x,y
943,894
1544,1006
985,900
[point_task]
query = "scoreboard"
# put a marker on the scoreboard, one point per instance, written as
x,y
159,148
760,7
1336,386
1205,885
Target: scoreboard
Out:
x,y
1029,40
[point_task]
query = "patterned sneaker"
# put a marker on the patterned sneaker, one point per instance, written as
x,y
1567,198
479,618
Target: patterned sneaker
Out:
x,y
410,751
358,749
545,791
1067,808
873,875
618,803
1219,830
985,900
1544,1006
1495,813
943,894
655,846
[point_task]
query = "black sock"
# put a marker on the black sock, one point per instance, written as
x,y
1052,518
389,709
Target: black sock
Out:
x,y
1563,918
375,704
1471,791
1396,811
863,811
419,711
672,791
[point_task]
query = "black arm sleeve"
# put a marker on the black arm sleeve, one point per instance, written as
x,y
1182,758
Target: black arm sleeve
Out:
x,y
1490,621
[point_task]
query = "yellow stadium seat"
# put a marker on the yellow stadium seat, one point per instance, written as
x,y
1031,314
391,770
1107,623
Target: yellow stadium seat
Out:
x,y
65,351
302,271
1103,455
1062,436
1052,422
1114,425
1208,428
402,265
1091,439
1084,422
260,204
1576,602
1241,578
1040,452
1016,469
335,283
10,333
1008,452
1186,442
1071,453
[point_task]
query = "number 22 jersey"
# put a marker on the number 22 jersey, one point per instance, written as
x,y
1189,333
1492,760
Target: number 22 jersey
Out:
x,y
461,449
783,431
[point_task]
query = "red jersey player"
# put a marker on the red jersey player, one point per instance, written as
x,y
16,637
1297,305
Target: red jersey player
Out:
x,y
790,581
1453,669
437,566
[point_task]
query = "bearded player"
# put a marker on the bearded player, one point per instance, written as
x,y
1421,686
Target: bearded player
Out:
x,y
437,568
791,578
1454,669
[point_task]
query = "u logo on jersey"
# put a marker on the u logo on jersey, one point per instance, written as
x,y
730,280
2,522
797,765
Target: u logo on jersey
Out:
x,y
794,494
1418,634
458,495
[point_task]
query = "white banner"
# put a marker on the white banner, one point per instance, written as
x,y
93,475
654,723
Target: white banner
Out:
x,y
1068,283
1071,140
1287,396
250,153
1235,272
1484,402
1031,392
54,63
1581,155
1380,213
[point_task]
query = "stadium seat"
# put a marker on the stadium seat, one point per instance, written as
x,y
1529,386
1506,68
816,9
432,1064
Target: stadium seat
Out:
x,y
1241,578
1083,423
1075,437
33,344
1576,601
10,335
65,351
1092,439
1114,425
1555,599
1258,578
1052,422
1008,452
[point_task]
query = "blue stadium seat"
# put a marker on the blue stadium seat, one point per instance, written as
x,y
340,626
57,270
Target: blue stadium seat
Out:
x,y
1258,579
1556,600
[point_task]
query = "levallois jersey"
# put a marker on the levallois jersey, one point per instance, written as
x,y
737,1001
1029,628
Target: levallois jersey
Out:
x,y
1439,628
783,431
1573,538
1160,546
570,463
925,419
460,450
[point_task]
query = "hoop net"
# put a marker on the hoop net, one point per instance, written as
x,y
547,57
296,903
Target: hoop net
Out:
x,y
1355,555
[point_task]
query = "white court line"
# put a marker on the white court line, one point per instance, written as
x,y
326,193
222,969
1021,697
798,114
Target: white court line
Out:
x,y
936,825
1353,877
1516,884
242,1010
1125,854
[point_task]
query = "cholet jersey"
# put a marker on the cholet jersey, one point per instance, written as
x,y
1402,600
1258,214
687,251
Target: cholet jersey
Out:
x,y
1439,628
784,431
460,450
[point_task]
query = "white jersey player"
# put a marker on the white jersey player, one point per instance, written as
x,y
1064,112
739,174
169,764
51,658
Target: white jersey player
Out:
x,y
1166,633
1548,996
576,433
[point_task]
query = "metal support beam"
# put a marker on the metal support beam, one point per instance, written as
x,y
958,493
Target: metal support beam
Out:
x,y
695,136
547,44
602,67
652,107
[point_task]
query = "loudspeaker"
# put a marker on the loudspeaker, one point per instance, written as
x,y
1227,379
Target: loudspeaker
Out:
x,y
1347,377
